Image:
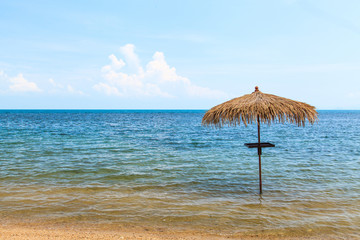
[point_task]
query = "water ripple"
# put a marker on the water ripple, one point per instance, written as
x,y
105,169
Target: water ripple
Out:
x,y
164,168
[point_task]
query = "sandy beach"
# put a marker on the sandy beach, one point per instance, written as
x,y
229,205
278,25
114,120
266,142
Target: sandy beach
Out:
x,y
46,231
16,232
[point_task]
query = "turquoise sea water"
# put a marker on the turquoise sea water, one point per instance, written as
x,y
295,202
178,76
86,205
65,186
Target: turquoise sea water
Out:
x,y
162,168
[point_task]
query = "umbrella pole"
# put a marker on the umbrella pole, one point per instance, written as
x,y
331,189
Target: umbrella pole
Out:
x,y
259,153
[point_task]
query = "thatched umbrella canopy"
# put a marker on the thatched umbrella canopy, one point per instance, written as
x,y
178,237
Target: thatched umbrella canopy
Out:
x,y
267,107
260,108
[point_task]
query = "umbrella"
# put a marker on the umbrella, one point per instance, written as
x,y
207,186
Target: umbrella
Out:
x,y
260,108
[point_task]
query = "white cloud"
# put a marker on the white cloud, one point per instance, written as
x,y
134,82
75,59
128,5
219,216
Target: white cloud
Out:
x,y
107,89
128,78
161,71
132,60
72,90
20,84
59,88
194,90
115,63
55,84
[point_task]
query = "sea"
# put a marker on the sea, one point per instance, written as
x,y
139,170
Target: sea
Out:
x,y
163,169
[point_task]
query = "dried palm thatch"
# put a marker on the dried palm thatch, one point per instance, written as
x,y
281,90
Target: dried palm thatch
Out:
x,y
258,106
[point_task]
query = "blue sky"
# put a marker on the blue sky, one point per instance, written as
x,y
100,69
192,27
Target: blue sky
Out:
x,y
177,54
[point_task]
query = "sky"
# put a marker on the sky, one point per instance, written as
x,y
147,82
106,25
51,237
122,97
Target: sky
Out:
x,y
184,54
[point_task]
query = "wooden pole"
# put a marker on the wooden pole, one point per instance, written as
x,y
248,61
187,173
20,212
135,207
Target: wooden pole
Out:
x,y
259,153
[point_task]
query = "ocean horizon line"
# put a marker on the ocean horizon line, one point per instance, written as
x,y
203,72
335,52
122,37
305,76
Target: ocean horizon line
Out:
x,y
135,110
